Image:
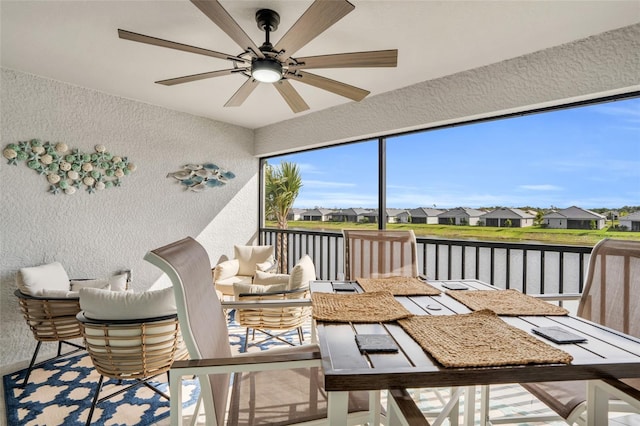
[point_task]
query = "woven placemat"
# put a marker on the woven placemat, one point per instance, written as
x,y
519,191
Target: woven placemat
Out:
x,y
479,339
506,302
363,307
399,286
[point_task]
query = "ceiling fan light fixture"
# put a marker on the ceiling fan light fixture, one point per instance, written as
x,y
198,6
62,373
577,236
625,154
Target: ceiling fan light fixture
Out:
x,y
266,70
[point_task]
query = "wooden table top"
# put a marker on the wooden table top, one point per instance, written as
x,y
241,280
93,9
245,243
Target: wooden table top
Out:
x,y
606,354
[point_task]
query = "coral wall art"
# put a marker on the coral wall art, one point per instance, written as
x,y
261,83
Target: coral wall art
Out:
x,y
70,170
198,177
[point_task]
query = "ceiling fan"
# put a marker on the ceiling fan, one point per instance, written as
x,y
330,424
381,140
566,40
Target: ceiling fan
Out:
x,y
276,64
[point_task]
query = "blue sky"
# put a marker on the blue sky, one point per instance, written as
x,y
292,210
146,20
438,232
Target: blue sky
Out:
x,y
588,157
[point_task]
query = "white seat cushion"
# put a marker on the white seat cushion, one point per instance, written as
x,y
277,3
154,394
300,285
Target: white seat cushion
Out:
x,y
268,278
226,286
36,279
302,273
76,285
124,305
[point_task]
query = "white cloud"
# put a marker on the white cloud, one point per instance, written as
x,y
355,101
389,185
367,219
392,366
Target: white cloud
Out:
x,y
327,184
541,187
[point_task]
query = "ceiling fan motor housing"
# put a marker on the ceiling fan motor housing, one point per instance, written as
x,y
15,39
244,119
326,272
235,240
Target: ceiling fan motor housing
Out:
x,y
267,20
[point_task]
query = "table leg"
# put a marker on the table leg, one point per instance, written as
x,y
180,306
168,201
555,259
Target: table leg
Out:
x,y
374,407
597,404
470,406
338,408
175,404
484,404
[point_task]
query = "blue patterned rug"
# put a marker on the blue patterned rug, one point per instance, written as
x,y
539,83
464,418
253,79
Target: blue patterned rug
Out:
x,y
60,392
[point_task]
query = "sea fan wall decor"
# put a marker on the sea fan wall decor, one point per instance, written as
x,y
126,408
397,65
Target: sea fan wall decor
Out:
x,y
70,170
198,177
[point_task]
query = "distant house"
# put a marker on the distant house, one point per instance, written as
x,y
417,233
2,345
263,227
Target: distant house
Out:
x,y
348,215
460,216
392,216
398,216
504,217
318,215
612,215
631,221
574,218
425,215
295,214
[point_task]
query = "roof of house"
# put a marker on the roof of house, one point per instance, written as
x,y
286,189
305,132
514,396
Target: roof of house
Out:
x,y
462,212
574,213
425,212
631,216
508,213
316,212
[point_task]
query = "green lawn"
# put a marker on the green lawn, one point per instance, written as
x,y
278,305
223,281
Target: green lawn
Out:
x,y
486,233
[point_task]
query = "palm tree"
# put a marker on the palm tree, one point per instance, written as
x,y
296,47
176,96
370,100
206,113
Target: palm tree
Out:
x,y
282,186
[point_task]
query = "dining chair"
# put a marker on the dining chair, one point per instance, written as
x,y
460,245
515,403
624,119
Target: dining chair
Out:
x,y
282,386
387,253
379,253
610,297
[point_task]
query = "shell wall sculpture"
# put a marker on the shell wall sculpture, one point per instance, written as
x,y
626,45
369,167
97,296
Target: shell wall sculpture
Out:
x,y
198,177
70,170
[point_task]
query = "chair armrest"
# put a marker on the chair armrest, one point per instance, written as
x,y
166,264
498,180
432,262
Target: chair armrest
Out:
x,y
287,303
632,392
81,317
277,293
557,296
403,410
247,363
21,295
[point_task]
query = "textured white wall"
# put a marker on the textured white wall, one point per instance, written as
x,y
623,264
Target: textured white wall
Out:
x,y
94,235
603,64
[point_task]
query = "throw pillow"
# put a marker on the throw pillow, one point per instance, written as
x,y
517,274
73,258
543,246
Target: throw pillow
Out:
x,y
226,269
250,256
118,282
35,279
124,305
302,273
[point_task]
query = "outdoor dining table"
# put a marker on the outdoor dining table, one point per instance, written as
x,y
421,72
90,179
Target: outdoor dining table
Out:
x,y
606,354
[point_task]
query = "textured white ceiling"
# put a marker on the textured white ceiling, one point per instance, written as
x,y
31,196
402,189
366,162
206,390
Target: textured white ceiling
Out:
x,y
76,42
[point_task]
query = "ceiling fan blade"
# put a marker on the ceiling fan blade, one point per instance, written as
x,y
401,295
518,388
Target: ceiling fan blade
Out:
x,y
201,76
377,58
318,17
242,93
291,96
141,38
333,86
219,15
